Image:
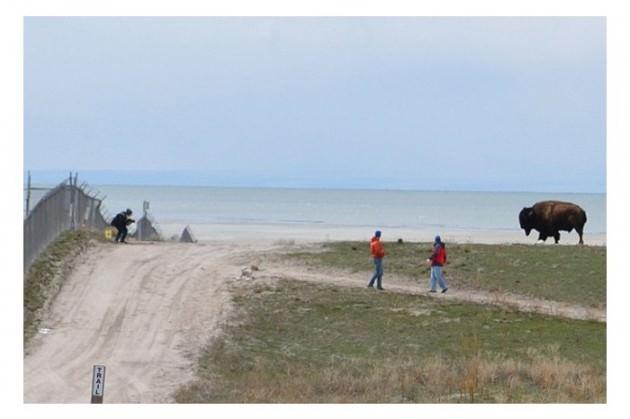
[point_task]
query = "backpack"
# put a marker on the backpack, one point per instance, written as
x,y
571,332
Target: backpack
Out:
x,y
119,219
440,258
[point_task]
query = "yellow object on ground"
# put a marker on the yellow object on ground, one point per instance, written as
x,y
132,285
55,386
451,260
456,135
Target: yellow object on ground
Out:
x,y
109,233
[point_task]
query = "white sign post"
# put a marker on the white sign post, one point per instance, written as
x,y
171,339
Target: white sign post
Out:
x,y
98,383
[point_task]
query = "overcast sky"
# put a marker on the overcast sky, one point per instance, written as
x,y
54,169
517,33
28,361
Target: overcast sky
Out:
x,y
411,103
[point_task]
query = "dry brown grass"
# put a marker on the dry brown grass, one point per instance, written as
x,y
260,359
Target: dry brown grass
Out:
x,y
479,378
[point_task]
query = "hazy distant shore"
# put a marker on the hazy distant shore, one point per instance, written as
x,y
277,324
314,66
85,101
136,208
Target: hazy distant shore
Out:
x,y
307,215
315,233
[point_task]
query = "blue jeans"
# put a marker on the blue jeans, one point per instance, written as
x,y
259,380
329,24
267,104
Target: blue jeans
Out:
x,y
437,277
378,273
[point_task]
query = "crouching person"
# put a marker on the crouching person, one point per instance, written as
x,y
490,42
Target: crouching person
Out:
x,y
121,221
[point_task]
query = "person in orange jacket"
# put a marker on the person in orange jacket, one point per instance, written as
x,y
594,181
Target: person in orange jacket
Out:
x,y
378,253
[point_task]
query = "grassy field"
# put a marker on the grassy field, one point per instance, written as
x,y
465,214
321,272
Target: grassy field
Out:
x,y
301,342
45,277
575,274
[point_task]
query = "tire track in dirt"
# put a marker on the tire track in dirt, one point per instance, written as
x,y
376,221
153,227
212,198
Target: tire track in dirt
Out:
x,y
143,310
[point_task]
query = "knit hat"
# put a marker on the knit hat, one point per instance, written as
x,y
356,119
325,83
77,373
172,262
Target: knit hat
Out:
x,y
377,233
437,239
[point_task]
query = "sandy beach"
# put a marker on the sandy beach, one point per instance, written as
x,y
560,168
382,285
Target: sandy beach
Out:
x,y
266,233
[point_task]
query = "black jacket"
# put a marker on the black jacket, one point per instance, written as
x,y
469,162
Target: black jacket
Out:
x,y
121,220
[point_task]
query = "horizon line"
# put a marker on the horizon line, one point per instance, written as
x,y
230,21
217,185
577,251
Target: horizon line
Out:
x,y
321,188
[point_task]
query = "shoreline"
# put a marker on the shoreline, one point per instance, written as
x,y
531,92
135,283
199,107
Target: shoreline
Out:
x,y
270,234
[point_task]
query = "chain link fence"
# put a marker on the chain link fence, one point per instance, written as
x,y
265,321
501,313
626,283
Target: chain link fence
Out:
x,y
68,207
146,229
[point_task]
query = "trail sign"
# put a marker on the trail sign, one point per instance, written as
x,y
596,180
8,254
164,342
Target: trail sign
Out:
x,y
98,383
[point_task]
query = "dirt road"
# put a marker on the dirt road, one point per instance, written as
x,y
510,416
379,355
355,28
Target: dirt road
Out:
x,y
393,283
146,310
142,310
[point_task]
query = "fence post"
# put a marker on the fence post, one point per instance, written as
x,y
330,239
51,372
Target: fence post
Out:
x,y
72,209
145,207
28,195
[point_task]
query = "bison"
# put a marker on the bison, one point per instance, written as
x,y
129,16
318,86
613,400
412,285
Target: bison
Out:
x,y
548,217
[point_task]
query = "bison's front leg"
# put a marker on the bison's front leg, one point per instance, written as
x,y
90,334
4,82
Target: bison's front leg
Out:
x,y
542,236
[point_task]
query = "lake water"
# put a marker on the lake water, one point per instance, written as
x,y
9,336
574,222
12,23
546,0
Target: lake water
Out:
x,y
211,210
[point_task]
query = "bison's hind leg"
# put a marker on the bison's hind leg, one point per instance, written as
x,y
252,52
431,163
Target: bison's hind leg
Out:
x,y
580,230
556,237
